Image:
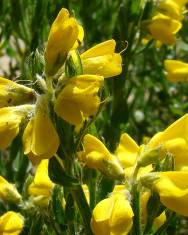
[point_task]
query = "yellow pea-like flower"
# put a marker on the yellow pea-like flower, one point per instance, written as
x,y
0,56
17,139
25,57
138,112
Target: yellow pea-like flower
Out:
x,y
12,93
180,3
172,9
127,150
79,98
164,28
10,121
35,141
64,34
177,71
172,187
102,60
112,216
174,140
42,186
97,156
8,192
11,223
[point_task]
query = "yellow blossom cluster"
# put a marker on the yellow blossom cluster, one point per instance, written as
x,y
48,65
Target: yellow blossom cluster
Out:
x,y
73,97
114,214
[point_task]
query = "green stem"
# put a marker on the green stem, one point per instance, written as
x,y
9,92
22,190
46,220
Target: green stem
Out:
x,y
135,192
80,199
136,230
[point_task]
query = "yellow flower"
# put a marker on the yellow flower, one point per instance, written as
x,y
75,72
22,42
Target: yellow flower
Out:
x,y
181,3
172,187
10,120
177,71
8,191
164,28
102,60
174,141
42,186
97,156
79,99
11,223
172,9
127,150
12,93
112,216
128,153
65,34
40,138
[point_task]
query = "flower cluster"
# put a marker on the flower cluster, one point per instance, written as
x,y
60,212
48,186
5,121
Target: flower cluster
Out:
x,y
69,89
168,149
73,96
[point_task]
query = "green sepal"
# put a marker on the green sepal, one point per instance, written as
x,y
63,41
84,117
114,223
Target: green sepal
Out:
x,y
58,175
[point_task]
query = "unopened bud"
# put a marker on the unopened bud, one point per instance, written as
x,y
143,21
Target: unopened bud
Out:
x,y
112,168
8,191
149,156
147,180
73,66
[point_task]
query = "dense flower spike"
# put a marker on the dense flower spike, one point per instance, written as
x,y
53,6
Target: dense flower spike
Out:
x,y
97,156
8,192
34,137
79,98
172,187
64,35
177,71
112,216
10,121
102,60
11,223
42,186
12,93
164,28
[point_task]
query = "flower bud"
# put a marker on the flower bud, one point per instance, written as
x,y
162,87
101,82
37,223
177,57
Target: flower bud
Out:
x,y
147,180
12,93
149,155
73,65
63,36
10,121
8,192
